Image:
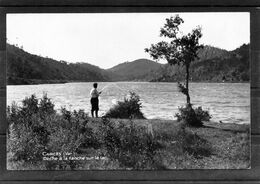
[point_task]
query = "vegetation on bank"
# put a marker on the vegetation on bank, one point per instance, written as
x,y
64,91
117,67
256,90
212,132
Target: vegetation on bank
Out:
x,y
130,108
36,129
192,116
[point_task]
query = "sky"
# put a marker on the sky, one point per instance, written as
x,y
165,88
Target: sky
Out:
x,y
107,39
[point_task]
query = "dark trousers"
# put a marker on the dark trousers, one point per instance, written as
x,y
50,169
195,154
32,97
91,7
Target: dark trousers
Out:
x,y
94,106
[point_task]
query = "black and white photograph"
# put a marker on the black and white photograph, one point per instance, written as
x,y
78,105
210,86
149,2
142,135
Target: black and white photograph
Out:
x,y
128,91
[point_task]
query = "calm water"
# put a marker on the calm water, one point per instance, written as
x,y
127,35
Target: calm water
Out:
x,y
228,102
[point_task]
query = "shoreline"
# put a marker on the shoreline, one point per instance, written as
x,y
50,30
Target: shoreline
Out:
x,y
39,82
212,124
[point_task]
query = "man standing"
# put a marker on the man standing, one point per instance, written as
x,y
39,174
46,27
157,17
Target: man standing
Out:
x,y
94,100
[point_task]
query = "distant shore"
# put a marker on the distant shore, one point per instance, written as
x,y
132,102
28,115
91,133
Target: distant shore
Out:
x,y
22,81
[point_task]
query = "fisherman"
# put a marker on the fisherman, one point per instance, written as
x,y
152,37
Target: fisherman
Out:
x,y
94,93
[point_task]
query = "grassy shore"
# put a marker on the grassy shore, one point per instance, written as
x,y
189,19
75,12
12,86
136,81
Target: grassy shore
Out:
x,y
229,146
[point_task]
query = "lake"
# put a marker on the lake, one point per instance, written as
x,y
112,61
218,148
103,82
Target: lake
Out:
x,y
226,102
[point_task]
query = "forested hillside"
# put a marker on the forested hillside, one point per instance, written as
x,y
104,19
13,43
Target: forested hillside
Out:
x,y
135,70
213,65
25,68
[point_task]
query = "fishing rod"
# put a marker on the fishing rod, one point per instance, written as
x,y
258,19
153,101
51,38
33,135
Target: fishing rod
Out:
x,y
114,101
114,85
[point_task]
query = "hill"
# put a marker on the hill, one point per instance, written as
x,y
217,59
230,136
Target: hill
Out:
x,y
209,52
25,68
135,70
214,65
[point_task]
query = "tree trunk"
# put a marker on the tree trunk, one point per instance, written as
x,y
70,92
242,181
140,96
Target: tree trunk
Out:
x,y
187,84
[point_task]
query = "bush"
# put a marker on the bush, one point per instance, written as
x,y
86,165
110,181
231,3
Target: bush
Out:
x,y
129,108
132,146
46,107
202,115
70,133
35,128
30,109
192,117
25,145
78,123
27,134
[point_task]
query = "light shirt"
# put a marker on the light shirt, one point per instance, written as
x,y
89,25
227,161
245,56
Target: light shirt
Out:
x,y
94,93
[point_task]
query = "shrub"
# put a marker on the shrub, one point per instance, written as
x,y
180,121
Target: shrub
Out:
x,y
46,107
77,121
30,109
132,146
202,115
28,134
35,128
70,134
129,108
192,117
27,142
64,141
30,105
